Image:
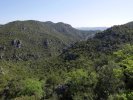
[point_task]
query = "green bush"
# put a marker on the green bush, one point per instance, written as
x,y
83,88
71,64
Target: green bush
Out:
x,y
32,87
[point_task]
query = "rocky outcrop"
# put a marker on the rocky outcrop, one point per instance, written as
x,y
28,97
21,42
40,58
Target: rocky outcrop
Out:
x,y
16,43
47,43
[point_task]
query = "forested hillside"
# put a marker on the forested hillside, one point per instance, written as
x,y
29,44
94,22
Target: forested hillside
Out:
x,y
99,68
24,40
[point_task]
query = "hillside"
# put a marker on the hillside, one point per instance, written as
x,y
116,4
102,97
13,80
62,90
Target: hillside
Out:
x,y
99,68
23,40
109,57
107,41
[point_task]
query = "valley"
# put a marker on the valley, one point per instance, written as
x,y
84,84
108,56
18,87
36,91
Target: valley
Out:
x,y
54,61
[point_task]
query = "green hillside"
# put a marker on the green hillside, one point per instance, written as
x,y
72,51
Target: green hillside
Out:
x,y
23,40
35,65
109,57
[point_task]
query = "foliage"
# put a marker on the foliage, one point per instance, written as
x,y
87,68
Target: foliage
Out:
x,y
32,87
34,65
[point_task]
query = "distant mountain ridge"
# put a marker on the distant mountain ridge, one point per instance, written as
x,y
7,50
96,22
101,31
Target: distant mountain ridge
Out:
x,y
93,28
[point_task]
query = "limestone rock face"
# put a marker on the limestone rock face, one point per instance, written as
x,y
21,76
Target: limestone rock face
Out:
x,y
46,43
16,43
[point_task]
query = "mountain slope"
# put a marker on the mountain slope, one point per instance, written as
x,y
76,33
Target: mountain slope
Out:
x,y
103,42
109,56
33,39
100,68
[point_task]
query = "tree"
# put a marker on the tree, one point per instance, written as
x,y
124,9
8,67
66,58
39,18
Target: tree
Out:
x,y
81,83
124,58
32,87
108,83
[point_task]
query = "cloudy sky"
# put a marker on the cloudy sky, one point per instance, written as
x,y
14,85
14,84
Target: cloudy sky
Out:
x,y
78,13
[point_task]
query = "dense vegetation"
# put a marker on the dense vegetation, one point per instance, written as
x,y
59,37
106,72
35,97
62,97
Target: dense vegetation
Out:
x,y
100,68
23,40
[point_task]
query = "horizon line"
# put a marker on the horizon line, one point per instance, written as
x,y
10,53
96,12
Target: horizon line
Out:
x,y
106,26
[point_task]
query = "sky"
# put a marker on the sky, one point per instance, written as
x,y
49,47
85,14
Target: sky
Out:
x,y
78,13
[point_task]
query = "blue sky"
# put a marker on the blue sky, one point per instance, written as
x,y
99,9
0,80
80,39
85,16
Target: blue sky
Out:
x,y
78,13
